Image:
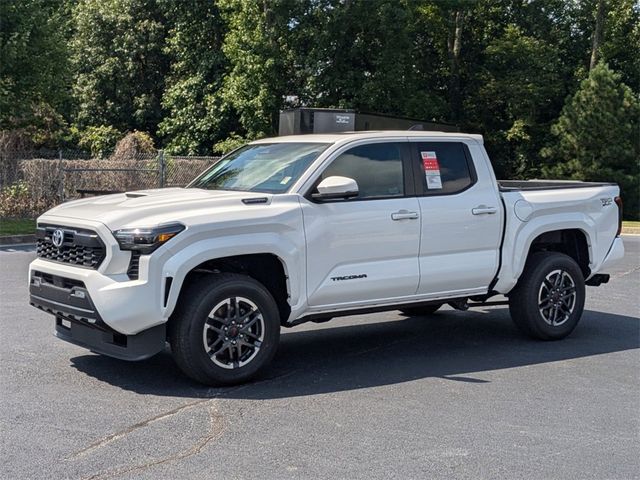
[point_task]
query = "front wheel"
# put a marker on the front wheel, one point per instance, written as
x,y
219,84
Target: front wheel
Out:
x,y
548,300
225,330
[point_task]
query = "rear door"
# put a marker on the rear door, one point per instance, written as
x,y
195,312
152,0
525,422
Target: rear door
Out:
x,y
365,248
461,215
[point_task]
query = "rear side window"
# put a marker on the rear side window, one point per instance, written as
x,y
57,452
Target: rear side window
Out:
x,y
377,168
445,168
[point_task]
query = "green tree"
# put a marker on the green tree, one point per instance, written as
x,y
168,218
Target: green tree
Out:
x,y
260,46
514,101
196,117
598,136
99,140
622,32
34,70
119,62
371,55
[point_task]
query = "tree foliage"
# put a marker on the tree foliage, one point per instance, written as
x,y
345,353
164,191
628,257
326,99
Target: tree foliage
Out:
x,y
34,70
196,73
260,45
597,135
120,65
196,117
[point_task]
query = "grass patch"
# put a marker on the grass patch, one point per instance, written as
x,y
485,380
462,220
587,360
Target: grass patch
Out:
x,y
17,226
631,224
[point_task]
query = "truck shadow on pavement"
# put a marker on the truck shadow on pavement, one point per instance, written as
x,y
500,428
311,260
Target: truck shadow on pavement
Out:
x,y
451,345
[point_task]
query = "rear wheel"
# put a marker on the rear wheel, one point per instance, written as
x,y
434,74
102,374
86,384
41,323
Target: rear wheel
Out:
x,y
548,300
421,311
225,330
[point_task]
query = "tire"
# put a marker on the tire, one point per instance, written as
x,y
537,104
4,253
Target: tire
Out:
x,y
225,329
548,300
421,311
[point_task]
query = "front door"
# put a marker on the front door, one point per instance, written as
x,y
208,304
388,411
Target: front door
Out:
x,y
365,248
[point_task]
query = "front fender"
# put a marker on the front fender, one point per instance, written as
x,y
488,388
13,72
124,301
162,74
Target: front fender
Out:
x,y
287,249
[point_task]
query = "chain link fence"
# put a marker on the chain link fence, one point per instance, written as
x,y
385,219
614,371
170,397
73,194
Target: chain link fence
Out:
x,y
31,182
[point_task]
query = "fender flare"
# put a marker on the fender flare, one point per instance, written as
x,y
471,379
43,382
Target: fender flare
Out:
x,y
188,258
526,234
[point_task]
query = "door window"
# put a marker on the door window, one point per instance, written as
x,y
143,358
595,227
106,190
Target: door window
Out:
x,y
377,168
444,168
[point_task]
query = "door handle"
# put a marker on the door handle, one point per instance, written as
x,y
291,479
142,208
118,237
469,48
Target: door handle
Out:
x,y
484,210
404,215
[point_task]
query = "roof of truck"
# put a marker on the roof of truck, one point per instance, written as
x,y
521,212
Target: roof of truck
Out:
x,y
341,137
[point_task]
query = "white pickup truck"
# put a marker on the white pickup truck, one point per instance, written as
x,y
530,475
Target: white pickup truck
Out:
x,y
306,228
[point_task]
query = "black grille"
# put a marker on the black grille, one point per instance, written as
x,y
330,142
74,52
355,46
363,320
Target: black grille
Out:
x,y
63,282
79,247
134,266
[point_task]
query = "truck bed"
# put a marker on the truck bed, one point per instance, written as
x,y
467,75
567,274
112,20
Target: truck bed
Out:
x,y
520,185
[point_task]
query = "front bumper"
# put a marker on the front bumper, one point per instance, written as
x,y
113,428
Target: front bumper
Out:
x,y
79,322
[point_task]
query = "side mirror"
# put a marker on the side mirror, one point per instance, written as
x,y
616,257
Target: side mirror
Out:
x,y
336,188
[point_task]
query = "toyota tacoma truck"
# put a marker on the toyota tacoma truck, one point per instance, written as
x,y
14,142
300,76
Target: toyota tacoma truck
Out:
x,y
307,228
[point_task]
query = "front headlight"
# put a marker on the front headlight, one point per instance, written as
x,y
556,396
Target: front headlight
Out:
x,y
146,240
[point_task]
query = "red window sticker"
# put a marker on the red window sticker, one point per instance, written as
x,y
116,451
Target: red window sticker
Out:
x,y
430,161
431,170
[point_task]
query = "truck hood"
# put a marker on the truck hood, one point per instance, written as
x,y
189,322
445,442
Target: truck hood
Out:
x,y
150,207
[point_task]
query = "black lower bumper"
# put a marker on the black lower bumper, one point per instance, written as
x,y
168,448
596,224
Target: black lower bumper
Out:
x,y
598,279
78,321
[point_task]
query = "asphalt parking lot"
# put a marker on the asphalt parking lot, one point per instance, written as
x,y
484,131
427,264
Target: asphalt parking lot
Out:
x,y
457,395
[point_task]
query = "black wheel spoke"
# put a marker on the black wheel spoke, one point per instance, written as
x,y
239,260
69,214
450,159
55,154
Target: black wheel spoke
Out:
x,y
247,316
565,309
251,335
219,350
250,323
558,280
218,330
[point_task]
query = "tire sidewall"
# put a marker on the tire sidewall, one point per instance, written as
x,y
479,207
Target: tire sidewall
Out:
x,y
253,291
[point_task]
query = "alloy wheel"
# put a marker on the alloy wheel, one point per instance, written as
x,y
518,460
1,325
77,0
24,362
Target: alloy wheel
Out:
x,y
233,332
557,297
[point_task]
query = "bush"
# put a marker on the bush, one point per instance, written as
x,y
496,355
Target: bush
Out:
x,y
17,201
100,140
134,145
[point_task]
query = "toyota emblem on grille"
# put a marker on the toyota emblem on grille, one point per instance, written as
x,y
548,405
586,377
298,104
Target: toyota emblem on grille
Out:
x,y
57,238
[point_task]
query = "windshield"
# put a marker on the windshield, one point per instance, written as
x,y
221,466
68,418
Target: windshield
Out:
x,y
266,167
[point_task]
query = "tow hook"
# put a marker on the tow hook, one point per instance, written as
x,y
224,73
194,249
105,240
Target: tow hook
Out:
x,y
459,305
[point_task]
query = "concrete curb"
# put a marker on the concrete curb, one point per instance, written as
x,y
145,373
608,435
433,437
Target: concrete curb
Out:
x,y
17,239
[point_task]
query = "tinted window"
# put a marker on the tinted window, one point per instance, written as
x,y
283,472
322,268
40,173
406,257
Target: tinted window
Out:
x,y
377,168
444,168
264,167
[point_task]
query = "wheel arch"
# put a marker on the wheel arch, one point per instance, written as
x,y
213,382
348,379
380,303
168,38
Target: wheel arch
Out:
x,y
266,268
571,237
571,241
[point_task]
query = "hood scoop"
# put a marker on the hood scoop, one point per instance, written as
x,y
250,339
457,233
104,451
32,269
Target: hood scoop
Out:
x,y
136,194
253,201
